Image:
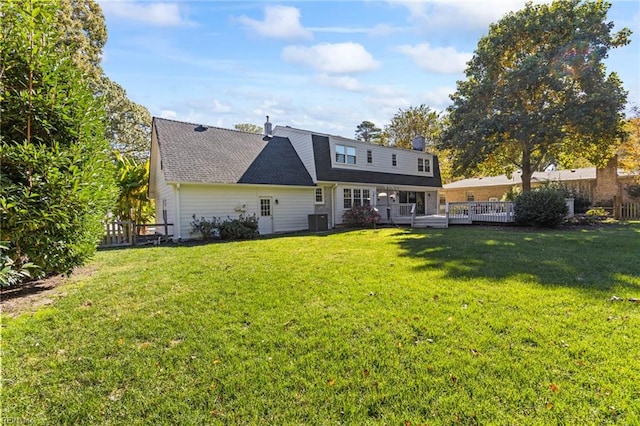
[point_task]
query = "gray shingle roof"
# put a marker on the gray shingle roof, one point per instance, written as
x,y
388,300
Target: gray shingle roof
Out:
x,y
324,171
200,154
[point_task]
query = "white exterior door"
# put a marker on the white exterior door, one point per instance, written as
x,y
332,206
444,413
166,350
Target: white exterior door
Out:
x,y
265,219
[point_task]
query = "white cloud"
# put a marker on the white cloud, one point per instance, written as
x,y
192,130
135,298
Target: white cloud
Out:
x,y
444,13
161,14
440,60
167,113
377,30
340,82
220,107
438,98
388,106
279,22
338,58
271,107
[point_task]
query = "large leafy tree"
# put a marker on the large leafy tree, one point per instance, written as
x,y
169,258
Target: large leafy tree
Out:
x,y
629,150
81,24
536,92
128,124
55,170
367,131
411,122
419,121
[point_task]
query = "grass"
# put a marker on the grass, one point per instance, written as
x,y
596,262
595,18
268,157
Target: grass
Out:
x,y
460,326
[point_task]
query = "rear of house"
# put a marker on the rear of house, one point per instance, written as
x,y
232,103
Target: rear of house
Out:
x,y
285,178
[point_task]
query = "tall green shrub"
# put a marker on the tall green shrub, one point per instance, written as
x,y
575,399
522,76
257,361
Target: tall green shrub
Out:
x,y
545,207
55,172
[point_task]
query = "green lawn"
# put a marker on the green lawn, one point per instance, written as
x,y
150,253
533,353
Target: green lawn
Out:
x,y
458,326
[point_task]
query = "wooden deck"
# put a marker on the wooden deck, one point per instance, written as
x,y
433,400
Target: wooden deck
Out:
x,y
470,212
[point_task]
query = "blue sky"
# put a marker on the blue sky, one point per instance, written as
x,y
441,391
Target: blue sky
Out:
x,y
318,65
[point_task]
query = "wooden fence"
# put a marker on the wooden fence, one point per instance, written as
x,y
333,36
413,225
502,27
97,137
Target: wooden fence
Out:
x,y
629,211
126,233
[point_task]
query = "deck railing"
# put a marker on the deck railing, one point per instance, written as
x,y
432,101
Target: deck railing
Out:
x,y
480,211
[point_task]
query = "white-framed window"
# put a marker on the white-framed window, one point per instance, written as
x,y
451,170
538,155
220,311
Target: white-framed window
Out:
x,y
470,196
319,196
369,156
356,197
424,165
345,154
394,160
493,199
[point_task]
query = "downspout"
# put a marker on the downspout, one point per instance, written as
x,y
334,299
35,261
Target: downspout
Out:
x,y
333,204
177,226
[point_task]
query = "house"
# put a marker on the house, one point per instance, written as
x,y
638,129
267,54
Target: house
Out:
x,y
287,177
600,186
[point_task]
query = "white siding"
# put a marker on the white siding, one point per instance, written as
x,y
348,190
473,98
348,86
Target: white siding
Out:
x,y
290,214
162,191
406,160
339,198
303,145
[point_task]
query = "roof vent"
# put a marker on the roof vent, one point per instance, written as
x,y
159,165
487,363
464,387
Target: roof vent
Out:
x,y
417,143
200,128
268,129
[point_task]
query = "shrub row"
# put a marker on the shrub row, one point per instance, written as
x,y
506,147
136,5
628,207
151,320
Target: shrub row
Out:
x,y
242,228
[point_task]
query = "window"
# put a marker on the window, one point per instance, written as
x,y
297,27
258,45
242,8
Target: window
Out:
x,y
493,199
345,154
470,196
369,157
347,198
394,160
319,196
424,165
265,207
356,197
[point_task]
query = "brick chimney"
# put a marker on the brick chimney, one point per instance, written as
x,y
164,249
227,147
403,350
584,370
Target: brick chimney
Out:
x,y
607,190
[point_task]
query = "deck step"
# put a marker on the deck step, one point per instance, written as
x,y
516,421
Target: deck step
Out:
x,y
431,222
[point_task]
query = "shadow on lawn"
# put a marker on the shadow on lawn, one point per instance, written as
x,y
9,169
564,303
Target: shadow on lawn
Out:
x,y
590,259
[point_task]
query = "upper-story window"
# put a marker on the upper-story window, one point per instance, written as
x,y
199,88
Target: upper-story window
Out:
x,y
345,154
369,156
424,165
394,160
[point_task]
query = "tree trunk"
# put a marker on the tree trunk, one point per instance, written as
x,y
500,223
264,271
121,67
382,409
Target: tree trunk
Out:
x,y
527,172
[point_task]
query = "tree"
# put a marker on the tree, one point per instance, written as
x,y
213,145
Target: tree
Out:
x,y
55,171
629,150
536,91
367,131
133,180
249,128
411,122
128,125
419,121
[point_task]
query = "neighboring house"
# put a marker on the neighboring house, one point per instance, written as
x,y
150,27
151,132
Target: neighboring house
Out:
x,y
601,186
282,178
